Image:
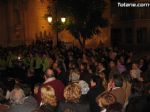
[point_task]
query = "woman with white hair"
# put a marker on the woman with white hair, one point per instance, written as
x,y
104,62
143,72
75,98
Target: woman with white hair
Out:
x,y
17,96
19,102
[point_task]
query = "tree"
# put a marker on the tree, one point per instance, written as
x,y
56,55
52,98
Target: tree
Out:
x,y
85,17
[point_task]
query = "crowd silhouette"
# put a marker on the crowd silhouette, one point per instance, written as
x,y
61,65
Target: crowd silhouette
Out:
x,y
44,78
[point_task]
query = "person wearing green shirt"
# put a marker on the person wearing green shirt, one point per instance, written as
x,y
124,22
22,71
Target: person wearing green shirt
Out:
x,y
45,62
38,61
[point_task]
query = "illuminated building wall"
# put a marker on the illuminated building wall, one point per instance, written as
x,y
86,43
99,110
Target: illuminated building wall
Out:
x,y
22,21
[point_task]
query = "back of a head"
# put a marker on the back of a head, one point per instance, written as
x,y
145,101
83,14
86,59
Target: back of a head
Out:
x,y
27,89
118,81
72,92
97,80
17,96
48,95
84,87
74,76
84,65
105,99
125,75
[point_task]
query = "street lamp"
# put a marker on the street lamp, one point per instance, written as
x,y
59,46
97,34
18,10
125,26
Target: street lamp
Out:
x,y
50,20
63,19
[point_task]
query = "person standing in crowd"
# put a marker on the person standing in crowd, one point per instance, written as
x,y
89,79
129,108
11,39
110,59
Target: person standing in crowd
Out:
x,y
55,83
60,71
72,102
102,72
84,74
126,84
38,67
137,89
105,100
138,104
19,102
74,76
31,61
113,69
142,65
45,62
48,102
3,101
135,72
121,65
115,87
96,88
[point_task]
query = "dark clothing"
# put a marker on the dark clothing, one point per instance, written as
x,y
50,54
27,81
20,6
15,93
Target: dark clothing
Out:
x,y
113,72
92,94
147,75
86,76
138,104
73,107
46,108
61,75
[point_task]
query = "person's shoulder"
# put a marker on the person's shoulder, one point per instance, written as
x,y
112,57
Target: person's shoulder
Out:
x,y
118,91
31,101
56,81
47,107
15,108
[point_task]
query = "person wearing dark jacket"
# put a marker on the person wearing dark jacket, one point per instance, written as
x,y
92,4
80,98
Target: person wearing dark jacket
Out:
x,y
84,73
95,90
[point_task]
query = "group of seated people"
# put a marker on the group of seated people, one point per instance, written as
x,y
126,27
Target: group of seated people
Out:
x,y
74,80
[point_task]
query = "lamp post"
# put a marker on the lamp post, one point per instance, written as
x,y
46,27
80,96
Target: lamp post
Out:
x,y
50,20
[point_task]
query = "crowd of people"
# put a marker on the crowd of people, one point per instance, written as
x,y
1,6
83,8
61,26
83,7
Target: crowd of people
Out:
x,y
43,78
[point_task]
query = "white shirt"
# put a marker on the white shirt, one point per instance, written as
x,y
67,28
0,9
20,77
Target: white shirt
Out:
x,y
49,79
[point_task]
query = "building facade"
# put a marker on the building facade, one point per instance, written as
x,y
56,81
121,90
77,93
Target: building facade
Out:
x,y
130,26
22,21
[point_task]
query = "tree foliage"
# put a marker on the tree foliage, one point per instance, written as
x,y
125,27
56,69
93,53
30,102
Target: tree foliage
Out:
x,y
84,17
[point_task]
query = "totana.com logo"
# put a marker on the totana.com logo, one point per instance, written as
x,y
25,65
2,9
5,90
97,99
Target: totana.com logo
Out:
x,y
127,4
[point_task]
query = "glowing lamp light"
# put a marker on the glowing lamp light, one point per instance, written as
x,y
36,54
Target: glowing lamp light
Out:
x,y
63,20
19,58
49,19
